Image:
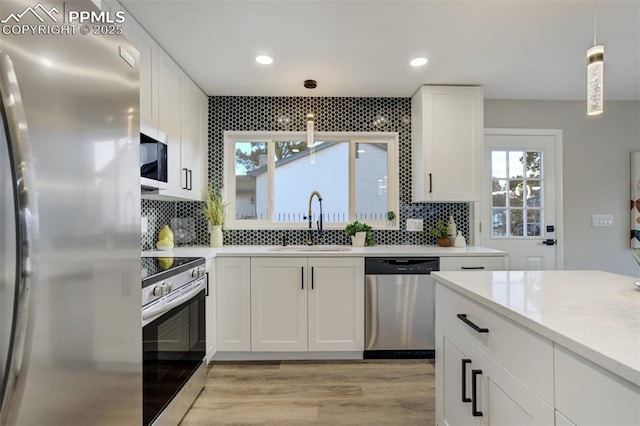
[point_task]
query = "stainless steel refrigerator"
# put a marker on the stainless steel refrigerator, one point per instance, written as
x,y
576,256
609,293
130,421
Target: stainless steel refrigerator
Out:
x,y
70,327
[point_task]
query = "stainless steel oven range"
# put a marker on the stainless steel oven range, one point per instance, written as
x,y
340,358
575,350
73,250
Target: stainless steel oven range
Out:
x,y
173,336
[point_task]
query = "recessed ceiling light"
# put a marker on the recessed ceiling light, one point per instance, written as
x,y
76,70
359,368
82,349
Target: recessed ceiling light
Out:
x,y
264,59
418,62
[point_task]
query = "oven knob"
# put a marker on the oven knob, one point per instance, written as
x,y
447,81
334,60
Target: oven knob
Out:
x,y
158,290
194,273
167,287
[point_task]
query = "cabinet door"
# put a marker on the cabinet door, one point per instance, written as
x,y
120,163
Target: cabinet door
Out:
x,y
170,97
278,304
193,158
336,304
447,143
454,362
233,304
504,400
210,309
148,49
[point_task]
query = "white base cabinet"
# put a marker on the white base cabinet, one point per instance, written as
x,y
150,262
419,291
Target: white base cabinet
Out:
x,y
307,304
233,303
210,311
473,388
509,375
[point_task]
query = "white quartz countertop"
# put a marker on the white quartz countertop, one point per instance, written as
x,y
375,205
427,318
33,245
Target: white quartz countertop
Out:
x,y
595,314
375,251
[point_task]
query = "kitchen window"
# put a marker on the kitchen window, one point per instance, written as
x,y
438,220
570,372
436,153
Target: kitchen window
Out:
x,y
270,175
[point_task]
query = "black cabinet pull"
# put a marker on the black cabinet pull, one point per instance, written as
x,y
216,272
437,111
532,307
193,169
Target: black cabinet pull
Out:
x,y
464,319
206,293
186,178
312,278
430,183
472,268
302,268
465,361
474,393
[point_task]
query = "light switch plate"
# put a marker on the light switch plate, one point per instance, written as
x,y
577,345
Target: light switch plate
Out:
x,y
144,224
598,220
415,225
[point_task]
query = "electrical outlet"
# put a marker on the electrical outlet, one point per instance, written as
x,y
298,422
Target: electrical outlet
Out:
x,y
414,225
598,220
144,224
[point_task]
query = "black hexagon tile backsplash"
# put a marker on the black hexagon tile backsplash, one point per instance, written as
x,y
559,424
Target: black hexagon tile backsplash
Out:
x,y
254,113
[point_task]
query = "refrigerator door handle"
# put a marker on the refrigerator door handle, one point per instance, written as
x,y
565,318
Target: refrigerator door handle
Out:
x,y
26,211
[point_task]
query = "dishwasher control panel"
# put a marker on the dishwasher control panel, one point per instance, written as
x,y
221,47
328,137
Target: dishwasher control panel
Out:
x,y
401,265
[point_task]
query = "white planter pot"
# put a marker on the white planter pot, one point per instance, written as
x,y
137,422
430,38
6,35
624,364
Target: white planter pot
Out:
x,y
215,239
359,239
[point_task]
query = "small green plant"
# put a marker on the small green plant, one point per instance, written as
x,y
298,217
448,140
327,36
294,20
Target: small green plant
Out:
x,y
390,215
214,206
352,228
440,230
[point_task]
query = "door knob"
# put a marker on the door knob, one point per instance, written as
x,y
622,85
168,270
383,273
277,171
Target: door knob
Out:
x,y
550,242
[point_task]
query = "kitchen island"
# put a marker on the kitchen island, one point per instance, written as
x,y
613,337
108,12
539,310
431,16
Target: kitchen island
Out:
x,y
537,347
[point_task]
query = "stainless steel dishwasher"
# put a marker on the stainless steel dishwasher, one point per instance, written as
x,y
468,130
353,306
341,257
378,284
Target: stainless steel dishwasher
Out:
x,y
400,307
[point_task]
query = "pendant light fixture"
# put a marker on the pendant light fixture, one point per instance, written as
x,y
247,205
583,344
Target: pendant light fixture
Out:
x,y
595,73
311,120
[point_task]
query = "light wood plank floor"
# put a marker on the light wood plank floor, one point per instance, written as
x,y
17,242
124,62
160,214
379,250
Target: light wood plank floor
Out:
x,y
310,392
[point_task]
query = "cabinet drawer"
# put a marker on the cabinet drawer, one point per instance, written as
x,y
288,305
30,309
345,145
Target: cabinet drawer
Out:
x,y
589,395
459,263
526,355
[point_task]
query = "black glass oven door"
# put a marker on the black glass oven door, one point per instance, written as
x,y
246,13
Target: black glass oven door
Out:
x,y
173,348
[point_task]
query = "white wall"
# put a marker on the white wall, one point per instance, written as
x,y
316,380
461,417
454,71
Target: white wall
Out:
x,y
596,173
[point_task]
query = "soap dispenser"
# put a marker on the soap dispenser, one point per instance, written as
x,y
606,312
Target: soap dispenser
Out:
x,y
460,241
451,229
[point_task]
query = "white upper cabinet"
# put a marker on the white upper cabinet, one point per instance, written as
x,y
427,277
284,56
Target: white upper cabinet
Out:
x,y
194,141
446,143
148,49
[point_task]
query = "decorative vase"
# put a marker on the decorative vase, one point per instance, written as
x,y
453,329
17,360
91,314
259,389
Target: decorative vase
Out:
x,y
215,239
359,239
444,242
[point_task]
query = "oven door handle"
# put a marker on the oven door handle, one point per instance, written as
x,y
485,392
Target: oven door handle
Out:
x,y
151,315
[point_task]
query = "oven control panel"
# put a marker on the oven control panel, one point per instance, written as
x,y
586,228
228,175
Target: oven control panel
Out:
x,y
159,289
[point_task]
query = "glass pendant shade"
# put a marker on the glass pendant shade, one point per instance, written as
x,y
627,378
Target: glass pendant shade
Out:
x,y
595,80
310,129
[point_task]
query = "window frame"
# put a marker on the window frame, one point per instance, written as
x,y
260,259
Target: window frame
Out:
x,y
352,138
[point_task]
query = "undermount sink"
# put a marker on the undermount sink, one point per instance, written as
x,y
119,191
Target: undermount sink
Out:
x,y
310,248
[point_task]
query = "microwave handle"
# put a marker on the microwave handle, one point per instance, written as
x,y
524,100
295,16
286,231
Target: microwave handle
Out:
x,y
190,174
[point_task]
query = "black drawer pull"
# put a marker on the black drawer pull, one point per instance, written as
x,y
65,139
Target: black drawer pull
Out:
x,y
464,319
474,393
465,361
472,268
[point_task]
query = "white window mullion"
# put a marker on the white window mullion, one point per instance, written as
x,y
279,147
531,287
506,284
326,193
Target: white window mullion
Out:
x,y
271,167
352,180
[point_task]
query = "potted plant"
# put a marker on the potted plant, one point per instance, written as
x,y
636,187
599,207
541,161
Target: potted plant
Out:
x,y
213,210
441,232
391,217
360,234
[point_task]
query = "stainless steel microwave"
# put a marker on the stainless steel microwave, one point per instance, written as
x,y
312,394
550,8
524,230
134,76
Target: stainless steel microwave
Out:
x,y
153,158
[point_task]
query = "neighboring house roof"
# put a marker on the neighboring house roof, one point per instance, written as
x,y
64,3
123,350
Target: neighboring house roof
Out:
x,y
302,154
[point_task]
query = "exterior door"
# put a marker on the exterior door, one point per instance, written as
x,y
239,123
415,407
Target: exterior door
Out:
x,y
521,209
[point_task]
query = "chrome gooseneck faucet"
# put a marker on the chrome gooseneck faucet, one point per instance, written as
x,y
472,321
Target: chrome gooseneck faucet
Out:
x,y
310,215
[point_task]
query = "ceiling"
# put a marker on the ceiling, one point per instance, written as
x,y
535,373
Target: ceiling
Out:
x,y
515,49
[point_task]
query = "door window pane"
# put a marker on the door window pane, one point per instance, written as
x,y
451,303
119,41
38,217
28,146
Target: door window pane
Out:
x,y
523,189
251,180
499,193
499,164
371,181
